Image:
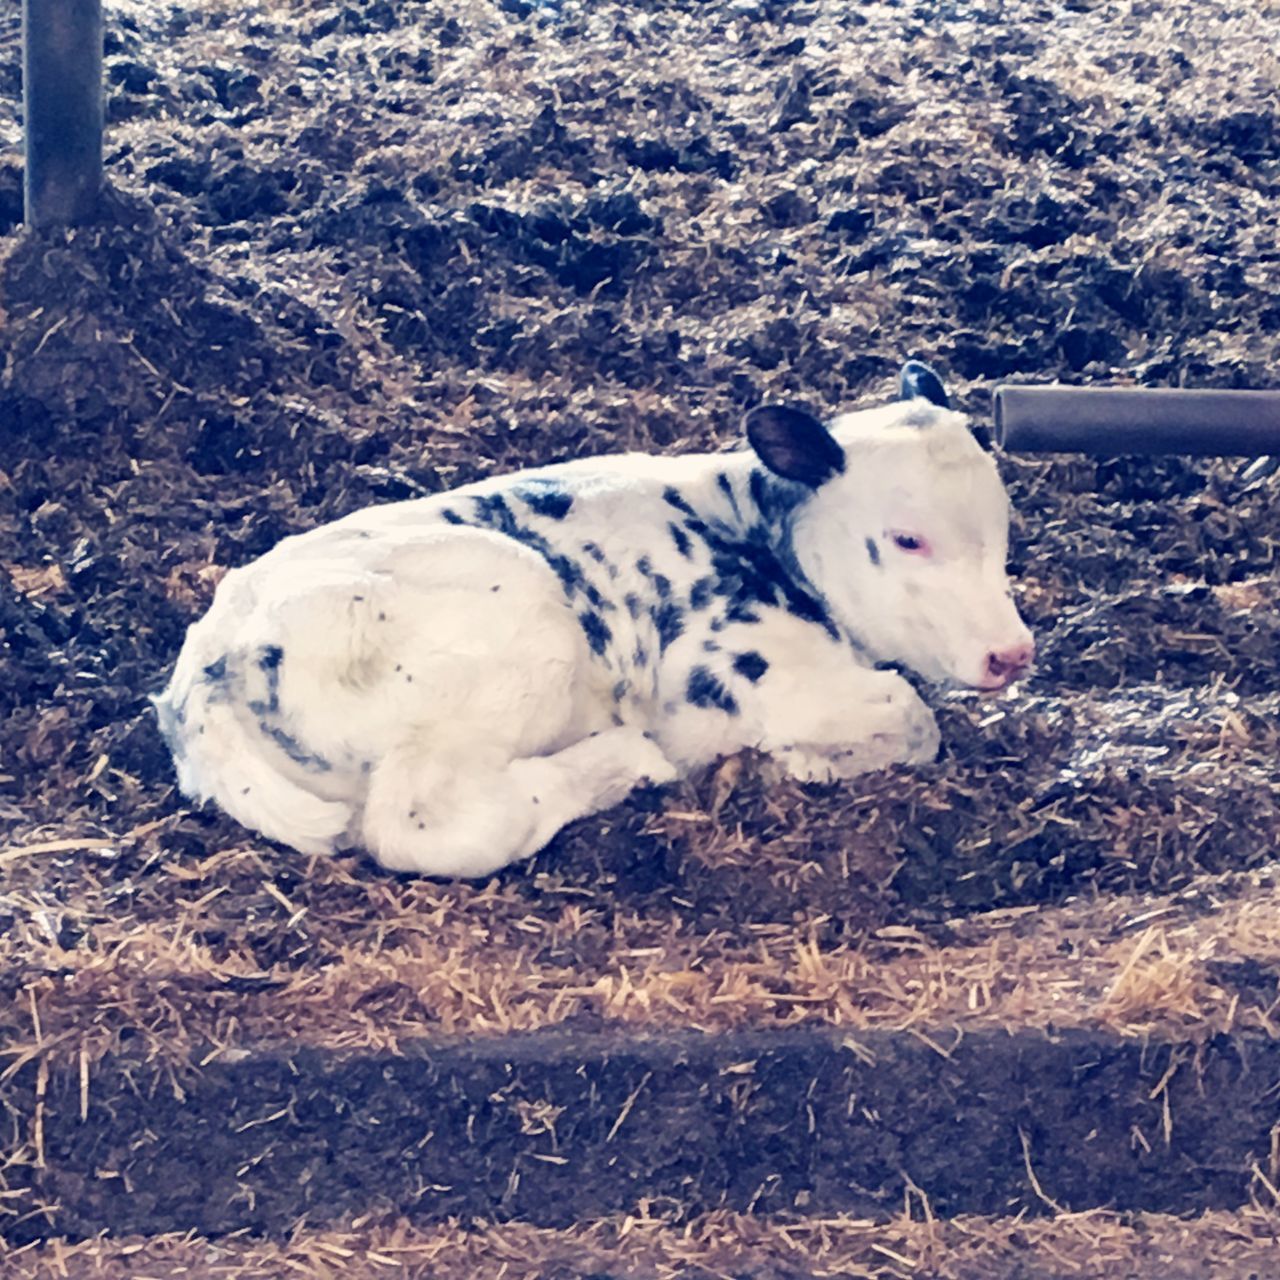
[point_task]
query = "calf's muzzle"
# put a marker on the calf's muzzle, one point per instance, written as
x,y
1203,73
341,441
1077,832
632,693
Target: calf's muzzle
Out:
x,y
1004,666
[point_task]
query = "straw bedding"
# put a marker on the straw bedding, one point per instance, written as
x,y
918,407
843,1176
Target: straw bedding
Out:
x,y
359,253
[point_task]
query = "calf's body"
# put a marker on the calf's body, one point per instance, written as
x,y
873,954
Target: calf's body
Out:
x,y
449,681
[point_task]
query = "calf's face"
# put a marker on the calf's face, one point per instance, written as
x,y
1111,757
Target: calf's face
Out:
x,y
906,535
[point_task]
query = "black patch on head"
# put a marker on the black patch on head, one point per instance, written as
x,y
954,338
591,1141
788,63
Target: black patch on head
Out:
x,y
706,690
668,621
873,552
919,382
217,670
452,516
794,444
546,498
701,593
681,539
596,630
751,665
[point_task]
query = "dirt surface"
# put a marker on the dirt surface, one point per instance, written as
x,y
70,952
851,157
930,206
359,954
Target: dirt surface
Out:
x,y
361,252
554,1128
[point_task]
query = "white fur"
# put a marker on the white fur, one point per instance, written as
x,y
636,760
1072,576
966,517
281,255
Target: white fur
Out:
x,y
427,690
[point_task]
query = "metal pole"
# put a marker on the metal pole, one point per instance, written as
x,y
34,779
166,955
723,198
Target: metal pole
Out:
x,y
1114,421
62,100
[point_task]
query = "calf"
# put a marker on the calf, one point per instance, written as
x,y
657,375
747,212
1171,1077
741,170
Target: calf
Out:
x,y
449,681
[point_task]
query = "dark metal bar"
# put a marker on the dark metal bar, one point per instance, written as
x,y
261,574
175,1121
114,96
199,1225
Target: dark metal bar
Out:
x,y
62,99
1115,421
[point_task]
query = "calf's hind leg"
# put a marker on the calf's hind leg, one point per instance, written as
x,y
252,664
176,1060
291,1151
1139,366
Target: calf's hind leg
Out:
x,y
469,817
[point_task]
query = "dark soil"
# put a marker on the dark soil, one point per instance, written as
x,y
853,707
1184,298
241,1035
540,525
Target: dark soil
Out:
x,y
361,252
551,1129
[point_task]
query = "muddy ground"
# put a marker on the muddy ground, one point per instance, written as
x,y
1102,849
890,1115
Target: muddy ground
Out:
x,y
361,252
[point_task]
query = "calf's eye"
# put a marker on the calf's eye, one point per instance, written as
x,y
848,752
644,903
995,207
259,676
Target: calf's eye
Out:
x,y
911,543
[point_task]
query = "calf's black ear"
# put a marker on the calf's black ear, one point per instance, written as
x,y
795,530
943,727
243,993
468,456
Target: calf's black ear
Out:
x,y
794,444
918,380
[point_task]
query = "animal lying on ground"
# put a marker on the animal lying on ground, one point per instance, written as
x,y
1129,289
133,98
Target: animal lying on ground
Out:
x,y
449,681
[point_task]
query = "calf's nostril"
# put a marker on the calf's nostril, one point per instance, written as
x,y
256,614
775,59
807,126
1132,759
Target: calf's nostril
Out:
x,y
1009,662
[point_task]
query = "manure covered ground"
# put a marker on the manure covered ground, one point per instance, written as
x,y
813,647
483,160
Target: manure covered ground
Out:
x,y
1016,1013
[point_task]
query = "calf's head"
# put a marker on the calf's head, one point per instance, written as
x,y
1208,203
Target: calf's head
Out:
x,y
905,532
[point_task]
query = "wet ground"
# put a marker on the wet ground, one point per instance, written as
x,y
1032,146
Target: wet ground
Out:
x,y
361,252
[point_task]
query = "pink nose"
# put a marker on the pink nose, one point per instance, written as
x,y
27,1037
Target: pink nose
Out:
x,y
1005,667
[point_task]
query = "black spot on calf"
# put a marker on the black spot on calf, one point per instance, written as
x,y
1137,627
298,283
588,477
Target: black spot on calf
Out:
x,y
270,657
294,749
706,690
216,671
749,572
673,498
726,487
751,665
761,495
492,510
661,583
681,539
668,621
873,552
596,630
545,498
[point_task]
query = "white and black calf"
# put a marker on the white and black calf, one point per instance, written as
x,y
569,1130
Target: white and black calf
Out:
x,y
449,681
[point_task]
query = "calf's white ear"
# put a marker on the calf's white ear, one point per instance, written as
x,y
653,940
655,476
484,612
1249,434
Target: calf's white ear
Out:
x,y
794,444
918,381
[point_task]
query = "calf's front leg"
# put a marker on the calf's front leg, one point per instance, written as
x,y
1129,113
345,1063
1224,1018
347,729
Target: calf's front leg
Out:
x,y
832,728
789,689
